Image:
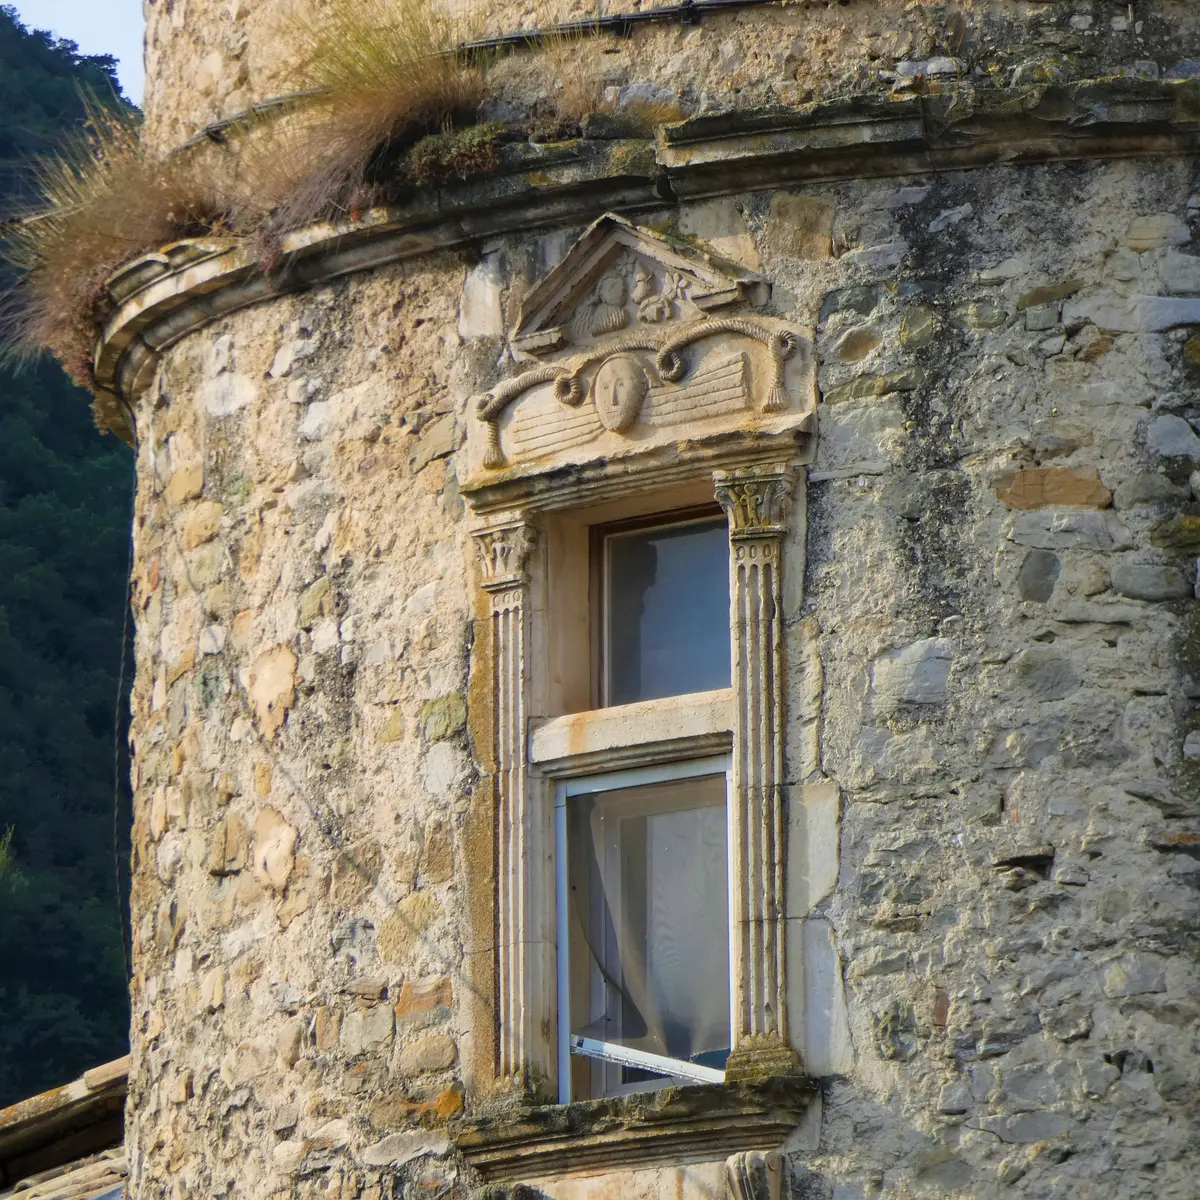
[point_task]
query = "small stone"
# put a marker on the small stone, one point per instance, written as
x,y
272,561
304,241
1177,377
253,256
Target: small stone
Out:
x,y
212,640
202,525
1048,294
1134,975
1044,317
404,928
914,674
951,217
858,343
393,727
1180,534
1191,745
918,327
1024,1127
1043,487
1173,437
1049,529
436,1052
423,995
437,858
800,227
1038,574
274,849
436,440
1141,582
185,484
229,846
983,314
315,602
955,1098
1098,1078
1047,674
443,718
1162,229
1146,489
272,687
367,1030
868,387
1068,1023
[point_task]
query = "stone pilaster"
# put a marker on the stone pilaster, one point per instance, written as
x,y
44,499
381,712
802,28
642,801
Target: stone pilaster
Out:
x,y
504,559
756,502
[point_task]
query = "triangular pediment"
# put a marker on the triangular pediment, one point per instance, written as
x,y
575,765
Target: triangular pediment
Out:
x,y
621,276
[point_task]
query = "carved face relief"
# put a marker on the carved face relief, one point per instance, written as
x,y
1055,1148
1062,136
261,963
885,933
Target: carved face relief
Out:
x,y
618,392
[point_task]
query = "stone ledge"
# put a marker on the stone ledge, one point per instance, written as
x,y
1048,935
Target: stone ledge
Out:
x,y
161,298
679,1124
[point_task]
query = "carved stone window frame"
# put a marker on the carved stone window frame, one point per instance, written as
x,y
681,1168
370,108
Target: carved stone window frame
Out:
x,y
532,749
719,411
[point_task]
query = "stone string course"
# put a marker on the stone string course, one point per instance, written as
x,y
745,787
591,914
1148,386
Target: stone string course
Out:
x,y
994,682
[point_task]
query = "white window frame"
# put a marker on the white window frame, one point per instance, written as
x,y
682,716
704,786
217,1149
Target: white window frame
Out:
x,y
580,785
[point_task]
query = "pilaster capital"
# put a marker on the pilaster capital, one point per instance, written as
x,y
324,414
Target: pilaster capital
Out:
x,y
756,499
504,554
754,1175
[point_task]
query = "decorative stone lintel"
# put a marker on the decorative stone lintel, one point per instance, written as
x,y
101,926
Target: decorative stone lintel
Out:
x,y
676,1123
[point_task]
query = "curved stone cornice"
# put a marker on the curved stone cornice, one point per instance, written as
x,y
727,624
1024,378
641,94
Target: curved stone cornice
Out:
x,y
161,298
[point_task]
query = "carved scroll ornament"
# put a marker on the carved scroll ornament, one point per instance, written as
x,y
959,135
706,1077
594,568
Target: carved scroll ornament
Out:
x,y
629,379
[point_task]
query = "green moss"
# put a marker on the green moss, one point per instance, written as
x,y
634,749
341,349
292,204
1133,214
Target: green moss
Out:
x,y
442,158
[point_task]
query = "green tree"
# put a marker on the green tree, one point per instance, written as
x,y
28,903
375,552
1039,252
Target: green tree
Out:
x,y
64,528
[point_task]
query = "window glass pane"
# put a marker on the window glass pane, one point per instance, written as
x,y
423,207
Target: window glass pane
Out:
x,y
667,611
649,927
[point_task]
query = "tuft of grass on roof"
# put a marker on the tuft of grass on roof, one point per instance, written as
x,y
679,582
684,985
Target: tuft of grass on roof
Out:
x,y
384,73
103,200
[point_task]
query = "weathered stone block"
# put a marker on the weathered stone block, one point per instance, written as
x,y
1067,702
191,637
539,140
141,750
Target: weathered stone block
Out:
x,y
366,1031
1047,674
1180,534
228,846
914,674
402,930
274,850
800,226
443,718
272,687
1134,974
1172,437
1151,233
1042,487
1048,529
1037,576
185,484
202,524
437,1052
1141,582
423,995
1145,489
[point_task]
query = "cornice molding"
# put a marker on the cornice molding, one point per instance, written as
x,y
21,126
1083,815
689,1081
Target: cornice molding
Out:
x,y
161,298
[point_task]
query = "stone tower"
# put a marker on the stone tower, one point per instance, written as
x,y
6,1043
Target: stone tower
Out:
x,y
460,828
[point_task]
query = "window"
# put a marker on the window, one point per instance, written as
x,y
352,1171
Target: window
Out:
x,y
643,920
664,608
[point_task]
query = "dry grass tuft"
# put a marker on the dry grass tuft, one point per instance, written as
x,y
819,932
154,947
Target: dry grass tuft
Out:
x,y
387,75
573,62
104,201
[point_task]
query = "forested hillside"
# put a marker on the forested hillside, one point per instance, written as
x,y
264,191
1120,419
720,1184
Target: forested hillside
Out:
x,y
64,514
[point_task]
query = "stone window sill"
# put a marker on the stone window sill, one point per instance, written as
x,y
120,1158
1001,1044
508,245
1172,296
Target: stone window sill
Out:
x,y
677,1124
631,735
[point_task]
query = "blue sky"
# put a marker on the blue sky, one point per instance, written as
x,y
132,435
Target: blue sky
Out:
x,y
99,27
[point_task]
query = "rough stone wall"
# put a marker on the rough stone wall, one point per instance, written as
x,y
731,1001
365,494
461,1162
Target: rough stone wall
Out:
x,y
209,59
1002,547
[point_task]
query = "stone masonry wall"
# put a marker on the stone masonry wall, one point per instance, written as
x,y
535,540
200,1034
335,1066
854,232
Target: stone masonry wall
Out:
x,y
1002,537
209,59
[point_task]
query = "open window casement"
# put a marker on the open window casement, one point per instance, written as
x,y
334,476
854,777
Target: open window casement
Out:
x,y
631,493
643,920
